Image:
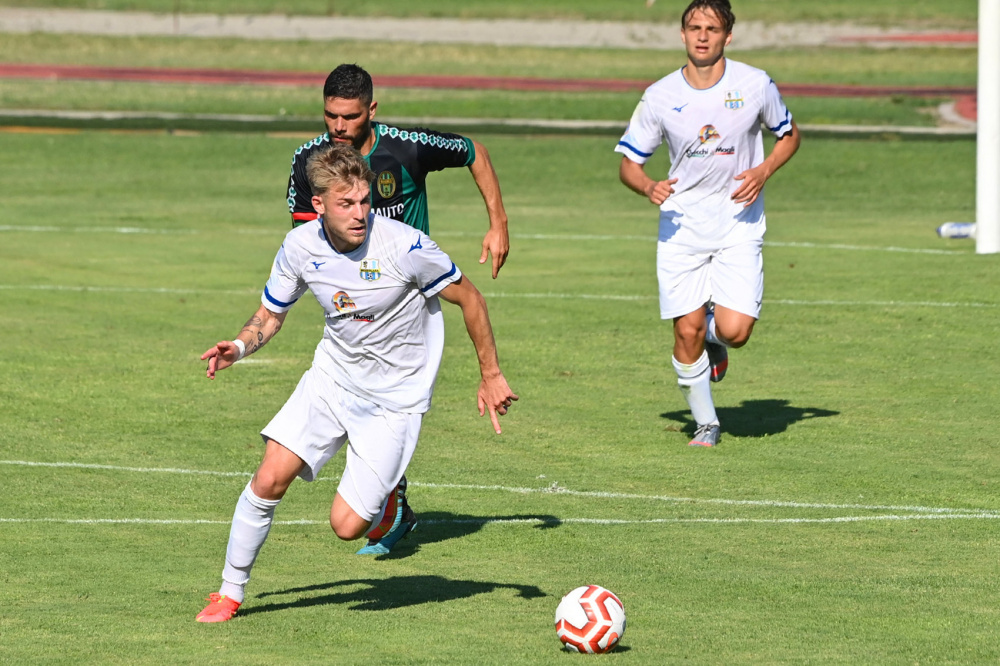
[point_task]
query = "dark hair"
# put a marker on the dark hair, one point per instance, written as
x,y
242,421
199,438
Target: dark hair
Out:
x,y
349,82
721,8
336,165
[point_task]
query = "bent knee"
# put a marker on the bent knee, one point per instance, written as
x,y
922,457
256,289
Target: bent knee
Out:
x,y
269,486
346,532
689,332
738,337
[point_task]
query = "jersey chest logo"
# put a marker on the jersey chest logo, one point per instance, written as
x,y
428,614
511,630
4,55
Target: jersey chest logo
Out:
x,y
370,270
386,184
734,99
708,134
343,302
346,308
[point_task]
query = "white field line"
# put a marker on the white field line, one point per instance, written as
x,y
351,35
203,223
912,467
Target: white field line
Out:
x,y
558,490
887,304
767,301
502,294
555,489
535,521
116,468
126,290
652,239
278,232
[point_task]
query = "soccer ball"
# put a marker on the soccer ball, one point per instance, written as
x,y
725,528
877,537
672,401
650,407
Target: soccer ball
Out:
x,y
590,619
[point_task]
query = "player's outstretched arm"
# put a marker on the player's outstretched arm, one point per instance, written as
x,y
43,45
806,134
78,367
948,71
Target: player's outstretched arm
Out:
x,y
496,242
633,175
260,328
755,178
494,393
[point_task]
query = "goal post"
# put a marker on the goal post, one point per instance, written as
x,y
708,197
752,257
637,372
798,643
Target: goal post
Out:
x,y
988,130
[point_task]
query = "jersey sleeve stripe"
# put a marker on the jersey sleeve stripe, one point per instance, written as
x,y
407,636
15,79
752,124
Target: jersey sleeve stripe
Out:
x,y
443,277
274,300
471,147
635,150
786,121
305,217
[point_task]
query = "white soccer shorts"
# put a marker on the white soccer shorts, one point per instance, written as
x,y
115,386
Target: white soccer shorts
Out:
x,y
320,417
732,277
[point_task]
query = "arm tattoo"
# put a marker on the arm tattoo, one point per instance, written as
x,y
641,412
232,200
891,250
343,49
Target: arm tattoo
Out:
x,y
254,326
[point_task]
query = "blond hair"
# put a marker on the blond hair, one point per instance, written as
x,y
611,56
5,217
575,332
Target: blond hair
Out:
x,y
336,165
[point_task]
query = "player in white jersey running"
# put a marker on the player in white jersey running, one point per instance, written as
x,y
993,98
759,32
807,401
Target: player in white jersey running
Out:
x,y
372,374
709,265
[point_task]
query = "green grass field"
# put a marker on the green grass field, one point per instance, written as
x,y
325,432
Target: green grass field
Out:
x,y
849,515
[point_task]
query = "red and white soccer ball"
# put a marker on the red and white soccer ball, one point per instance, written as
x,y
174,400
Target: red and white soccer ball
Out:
x,y
590,619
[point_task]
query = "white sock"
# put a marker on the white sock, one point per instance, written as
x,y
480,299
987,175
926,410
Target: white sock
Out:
x,y
693,380
710,333
251,523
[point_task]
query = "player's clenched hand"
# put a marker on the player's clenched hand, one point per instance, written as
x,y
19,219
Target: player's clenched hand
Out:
x,y
495,243
496,397
219,357
660,190
753,182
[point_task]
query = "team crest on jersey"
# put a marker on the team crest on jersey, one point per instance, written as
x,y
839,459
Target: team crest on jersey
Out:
x,y
343,302
370,270
386,184
708,133
734,99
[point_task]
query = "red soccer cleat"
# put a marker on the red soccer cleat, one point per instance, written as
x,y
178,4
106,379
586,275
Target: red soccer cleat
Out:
x,y
219,609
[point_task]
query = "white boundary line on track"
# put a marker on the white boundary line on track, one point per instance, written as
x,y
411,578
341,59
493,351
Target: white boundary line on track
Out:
x,y
558,490
502,294
549,237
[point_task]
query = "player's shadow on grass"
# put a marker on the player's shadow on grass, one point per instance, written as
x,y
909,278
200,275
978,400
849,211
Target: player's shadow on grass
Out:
x,y
754,418
435,526
372,594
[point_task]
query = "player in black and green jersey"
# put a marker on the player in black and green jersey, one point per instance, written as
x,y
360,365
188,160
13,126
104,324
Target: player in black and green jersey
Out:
x,y
401,160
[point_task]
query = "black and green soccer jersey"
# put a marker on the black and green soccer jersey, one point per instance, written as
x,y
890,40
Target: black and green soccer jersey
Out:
x,y
401,160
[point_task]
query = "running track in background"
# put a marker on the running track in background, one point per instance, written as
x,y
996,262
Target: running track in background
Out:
x,y
965,96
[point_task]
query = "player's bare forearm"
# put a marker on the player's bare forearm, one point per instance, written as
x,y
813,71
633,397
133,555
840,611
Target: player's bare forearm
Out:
x,y
634,177
477,322
260,328
489,185
753,180
784,149
496,243
494,394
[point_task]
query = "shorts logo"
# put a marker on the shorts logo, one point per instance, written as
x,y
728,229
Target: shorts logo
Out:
x,y
386,184
343,302
708,133
734,99
370,270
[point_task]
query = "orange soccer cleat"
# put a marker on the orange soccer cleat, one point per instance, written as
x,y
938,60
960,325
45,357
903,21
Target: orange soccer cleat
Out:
x,y
219,609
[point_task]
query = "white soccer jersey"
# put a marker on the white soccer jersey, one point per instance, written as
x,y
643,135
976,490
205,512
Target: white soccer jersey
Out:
x,y
384,331
713,135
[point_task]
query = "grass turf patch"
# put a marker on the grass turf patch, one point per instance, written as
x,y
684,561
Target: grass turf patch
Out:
x,y
859,398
